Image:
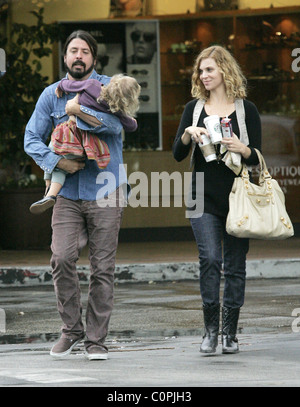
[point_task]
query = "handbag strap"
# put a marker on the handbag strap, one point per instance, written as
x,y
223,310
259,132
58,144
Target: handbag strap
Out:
x,y
241,115
196,115
263,173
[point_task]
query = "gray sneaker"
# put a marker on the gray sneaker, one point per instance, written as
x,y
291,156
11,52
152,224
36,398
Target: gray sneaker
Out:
x,y
96,353
42,205
64,347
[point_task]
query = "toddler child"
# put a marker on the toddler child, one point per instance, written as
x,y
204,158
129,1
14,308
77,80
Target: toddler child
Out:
x,y
119,97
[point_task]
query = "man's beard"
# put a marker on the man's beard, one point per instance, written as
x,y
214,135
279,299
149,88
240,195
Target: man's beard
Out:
x,y
78,74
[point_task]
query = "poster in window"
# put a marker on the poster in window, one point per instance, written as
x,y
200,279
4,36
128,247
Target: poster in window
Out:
x,y
142,63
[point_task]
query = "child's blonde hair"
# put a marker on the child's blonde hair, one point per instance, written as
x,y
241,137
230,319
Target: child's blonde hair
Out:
x,y
121,94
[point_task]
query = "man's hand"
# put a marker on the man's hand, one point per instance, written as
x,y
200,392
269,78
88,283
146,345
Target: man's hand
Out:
x,y
71,166
73,107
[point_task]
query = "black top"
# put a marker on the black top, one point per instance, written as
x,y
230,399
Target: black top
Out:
x,y
218,178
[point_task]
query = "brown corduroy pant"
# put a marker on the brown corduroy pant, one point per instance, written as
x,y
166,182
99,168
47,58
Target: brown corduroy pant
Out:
x,y
74,223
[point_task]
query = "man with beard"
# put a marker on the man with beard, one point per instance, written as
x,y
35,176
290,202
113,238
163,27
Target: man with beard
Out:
x,y
88,208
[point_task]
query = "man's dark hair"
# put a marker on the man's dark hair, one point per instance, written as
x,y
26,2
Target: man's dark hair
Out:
x,y
85,36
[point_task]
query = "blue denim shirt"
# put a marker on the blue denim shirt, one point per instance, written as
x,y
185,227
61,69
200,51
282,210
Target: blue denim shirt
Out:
x,y
91,183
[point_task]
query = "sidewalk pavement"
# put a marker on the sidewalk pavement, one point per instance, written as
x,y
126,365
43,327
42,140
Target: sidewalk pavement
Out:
x,y
156,327
156,369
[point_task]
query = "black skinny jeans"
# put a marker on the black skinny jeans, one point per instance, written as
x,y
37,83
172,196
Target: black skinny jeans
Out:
x,y
209,231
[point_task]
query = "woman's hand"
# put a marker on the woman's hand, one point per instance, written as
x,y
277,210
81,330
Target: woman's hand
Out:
x,y
234,145
193,133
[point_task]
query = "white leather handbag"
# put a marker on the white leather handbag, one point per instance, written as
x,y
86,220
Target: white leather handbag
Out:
x,y
258,211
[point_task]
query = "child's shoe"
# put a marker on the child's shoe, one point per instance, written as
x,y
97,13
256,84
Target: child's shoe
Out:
x,y
42,205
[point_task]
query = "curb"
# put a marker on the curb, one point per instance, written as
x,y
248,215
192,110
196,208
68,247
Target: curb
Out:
x,y
148,272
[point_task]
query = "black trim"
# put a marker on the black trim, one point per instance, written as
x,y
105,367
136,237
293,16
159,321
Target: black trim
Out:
x,y
171,234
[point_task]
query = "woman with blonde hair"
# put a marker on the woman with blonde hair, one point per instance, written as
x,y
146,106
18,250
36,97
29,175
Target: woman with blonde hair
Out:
x,y
119,97
219,88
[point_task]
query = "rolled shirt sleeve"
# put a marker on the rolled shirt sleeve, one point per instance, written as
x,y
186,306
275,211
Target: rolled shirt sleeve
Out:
x,y
110,124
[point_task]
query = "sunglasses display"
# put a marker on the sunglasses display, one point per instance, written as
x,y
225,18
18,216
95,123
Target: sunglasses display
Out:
x,y
104,60
141,72
144,98
143,84
146,37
